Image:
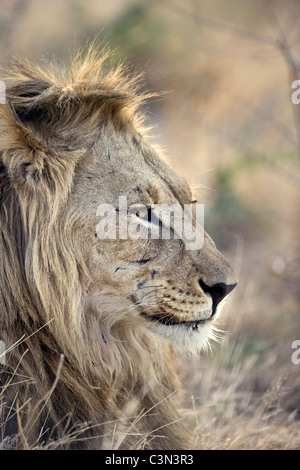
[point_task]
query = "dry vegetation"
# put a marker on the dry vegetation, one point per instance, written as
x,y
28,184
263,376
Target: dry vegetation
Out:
x,y
230,128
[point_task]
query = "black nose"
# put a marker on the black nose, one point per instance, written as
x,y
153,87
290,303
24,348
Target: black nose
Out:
x,y
217,292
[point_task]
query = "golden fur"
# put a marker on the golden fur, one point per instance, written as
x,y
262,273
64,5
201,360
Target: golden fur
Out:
x,y
70,139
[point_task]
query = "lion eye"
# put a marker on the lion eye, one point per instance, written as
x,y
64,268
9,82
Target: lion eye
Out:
x,y
144,214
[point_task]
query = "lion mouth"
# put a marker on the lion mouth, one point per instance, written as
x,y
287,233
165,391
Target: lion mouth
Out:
x,y
169,321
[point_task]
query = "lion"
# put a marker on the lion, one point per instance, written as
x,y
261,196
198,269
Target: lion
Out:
x,y
92,326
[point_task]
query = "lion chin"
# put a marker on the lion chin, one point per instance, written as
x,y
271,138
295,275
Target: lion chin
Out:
x,y
189,339
90,321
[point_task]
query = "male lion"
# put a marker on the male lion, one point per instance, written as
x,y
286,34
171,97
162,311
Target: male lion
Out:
x,y
88,322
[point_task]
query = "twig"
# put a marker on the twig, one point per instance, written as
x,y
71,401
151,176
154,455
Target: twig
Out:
x,y
235,142
219,25
293,63
279,42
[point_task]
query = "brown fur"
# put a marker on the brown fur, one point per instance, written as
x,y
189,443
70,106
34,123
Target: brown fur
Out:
x,y
69,140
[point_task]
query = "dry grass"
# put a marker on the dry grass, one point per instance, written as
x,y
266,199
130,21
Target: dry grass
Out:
x,y
243,398
231,130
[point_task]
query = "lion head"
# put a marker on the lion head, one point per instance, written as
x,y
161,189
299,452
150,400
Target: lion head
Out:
x,y
92,318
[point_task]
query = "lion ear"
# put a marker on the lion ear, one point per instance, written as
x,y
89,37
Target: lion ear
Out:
x,y
22,148
31,154
26,99
26,135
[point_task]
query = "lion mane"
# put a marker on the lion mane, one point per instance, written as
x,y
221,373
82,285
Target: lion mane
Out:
x,y
52,363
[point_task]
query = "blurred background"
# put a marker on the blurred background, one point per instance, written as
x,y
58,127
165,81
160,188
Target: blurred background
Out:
x,y
228,125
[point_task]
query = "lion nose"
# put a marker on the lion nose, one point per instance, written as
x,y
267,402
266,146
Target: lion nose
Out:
x,y
217,291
